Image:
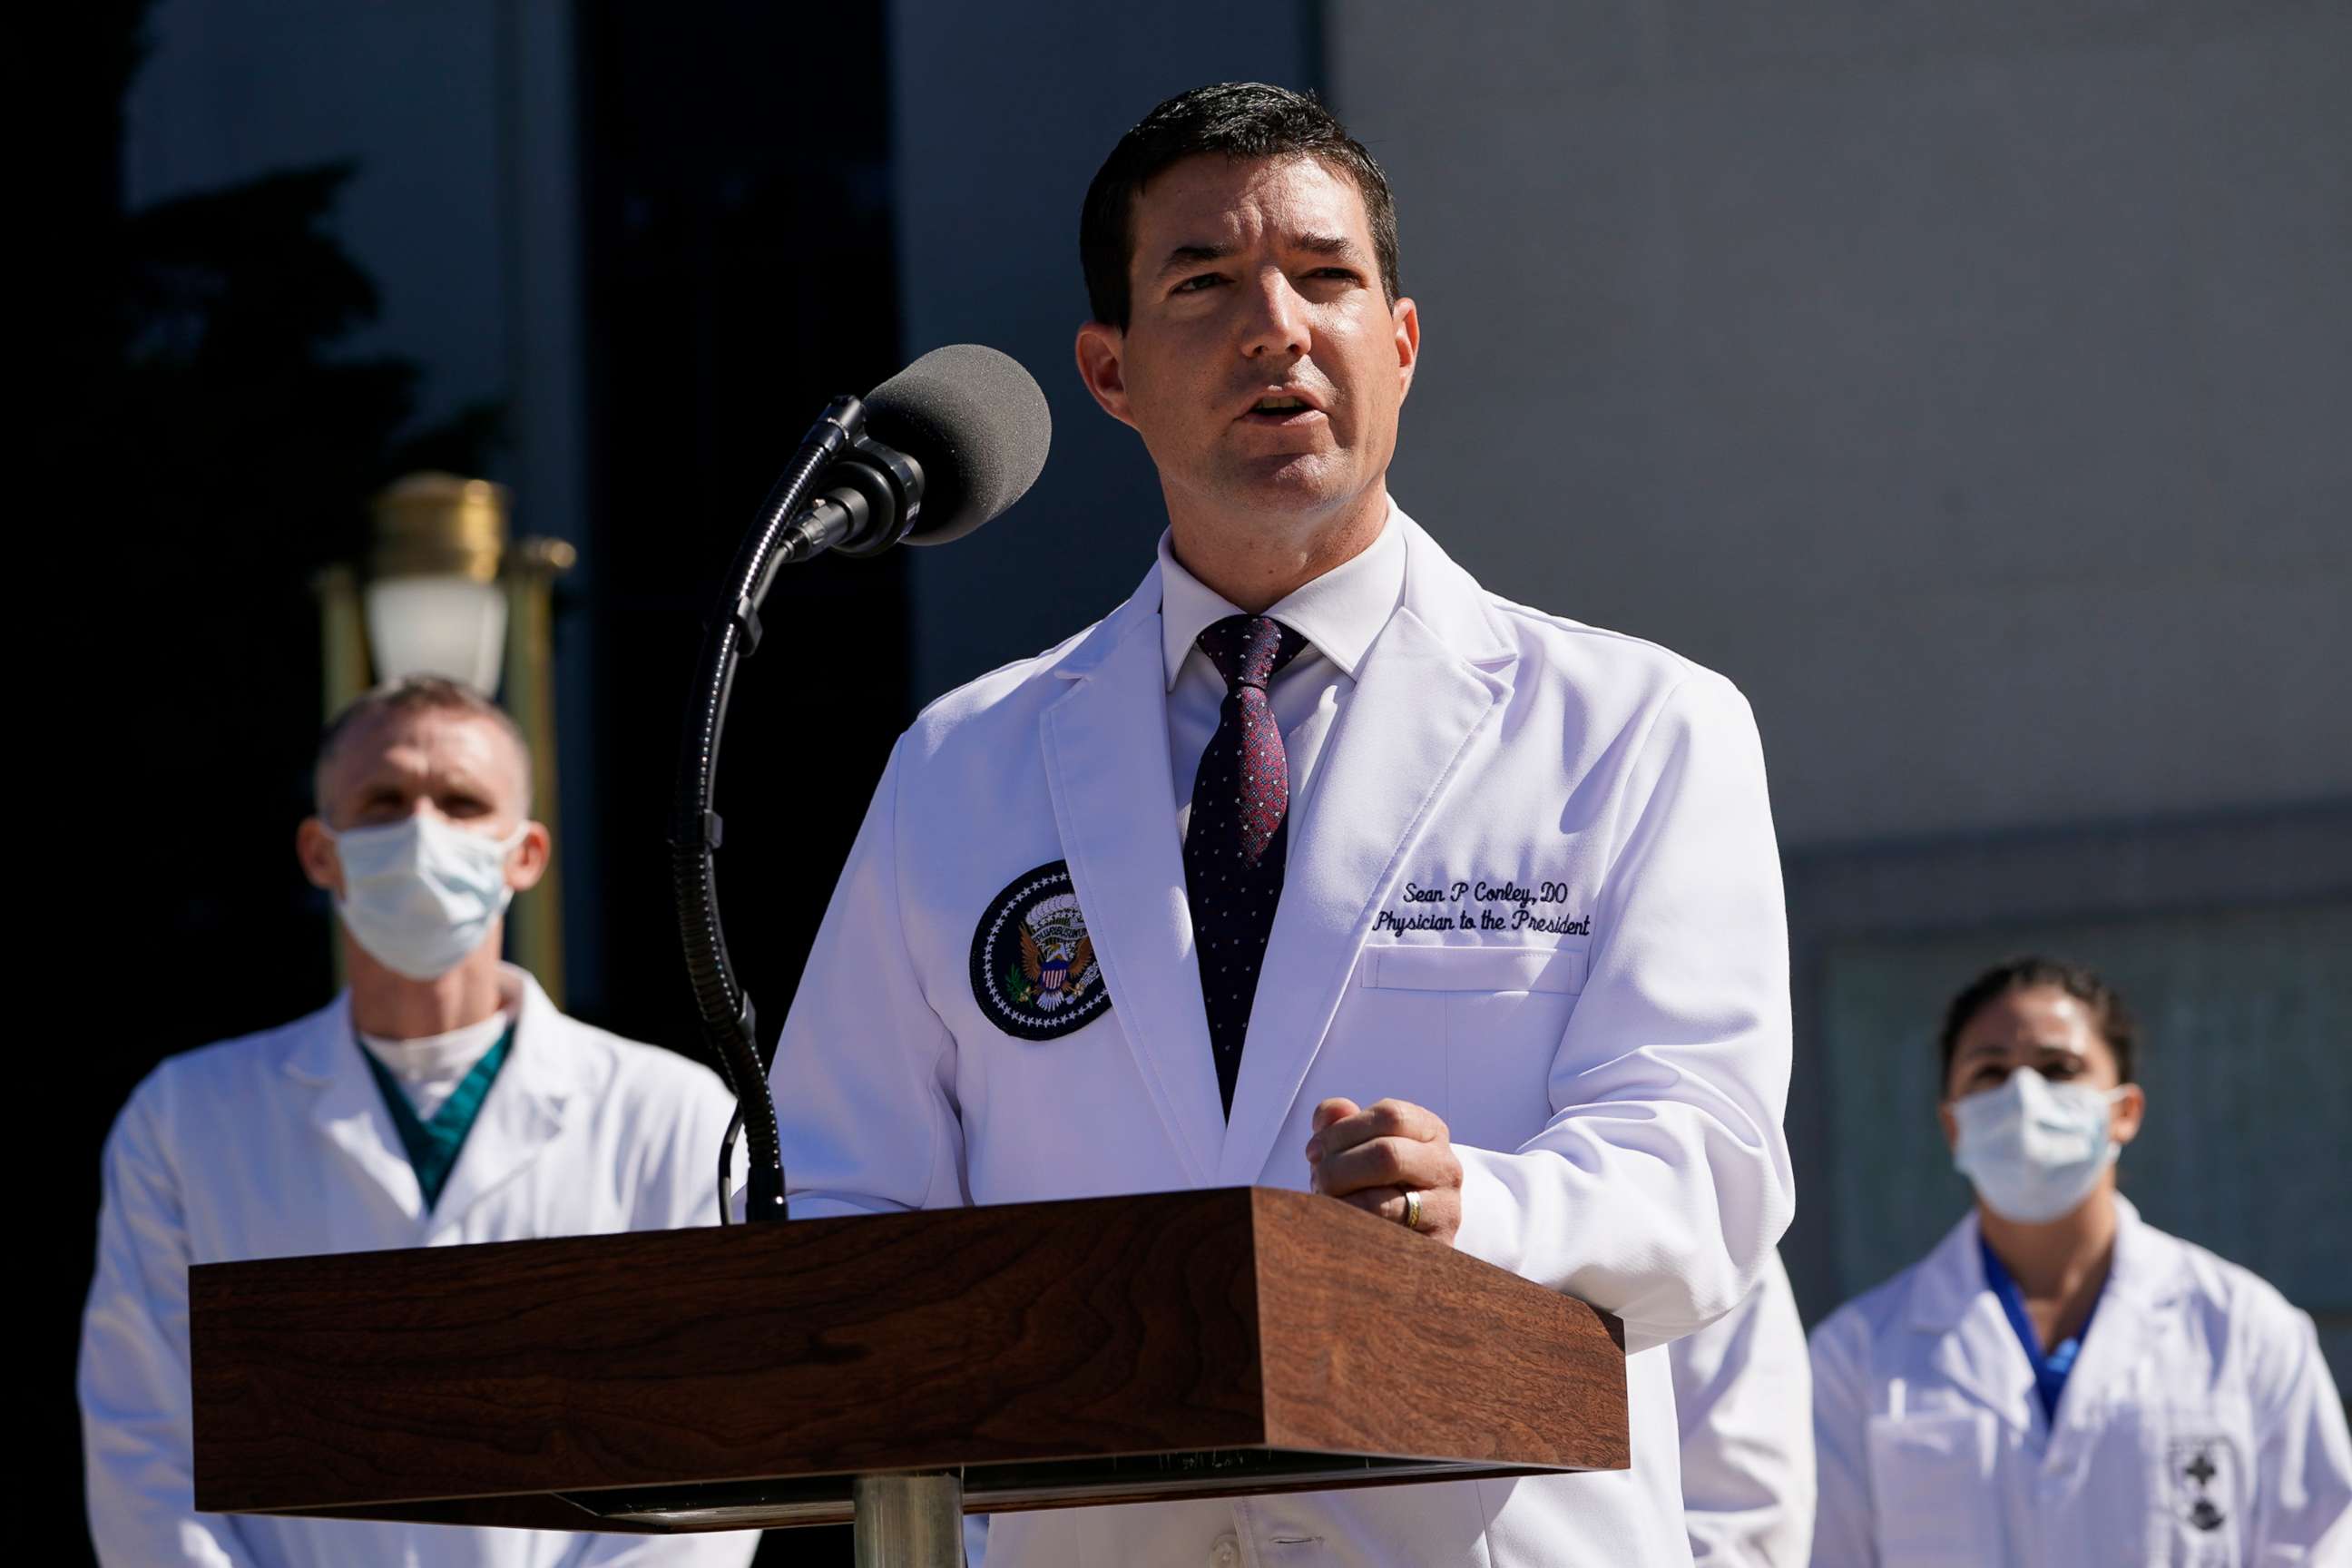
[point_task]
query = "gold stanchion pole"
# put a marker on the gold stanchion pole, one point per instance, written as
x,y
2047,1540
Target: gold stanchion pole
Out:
x,y
535,922
344,637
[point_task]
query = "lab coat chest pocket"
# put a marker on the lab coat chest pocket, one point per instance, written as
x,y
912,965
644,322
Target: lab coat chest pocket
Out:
x,y
2192,1456
1932,1480
1501,1011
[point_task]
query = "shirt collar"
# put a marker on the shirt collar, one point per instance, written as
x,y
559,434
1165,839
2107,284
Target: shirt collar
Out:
x,y
1340,612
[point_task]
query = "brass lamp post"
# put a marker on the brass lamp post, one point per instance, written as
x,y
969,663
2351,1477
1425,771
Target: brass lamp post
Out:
x,y
444,593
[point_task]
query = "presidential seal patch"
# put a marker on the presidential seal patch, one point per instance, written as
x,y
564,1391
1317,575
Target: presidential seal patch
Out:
x,y
1034,970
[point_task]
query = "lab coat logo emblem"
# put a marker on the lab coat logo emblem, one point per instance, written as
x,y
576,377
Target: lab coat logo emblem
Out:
x,y
1034,969
2202,1482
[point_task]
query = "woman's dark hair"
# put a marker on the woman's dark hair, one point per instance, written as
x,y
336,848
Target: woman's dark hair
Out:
x,y
2108,1014
1236,120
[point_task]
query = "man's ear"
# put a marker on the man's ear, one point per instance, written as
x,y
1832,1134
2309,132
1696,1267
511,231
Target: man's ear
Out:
x,y
528,864
315,849
1102,365
1404,318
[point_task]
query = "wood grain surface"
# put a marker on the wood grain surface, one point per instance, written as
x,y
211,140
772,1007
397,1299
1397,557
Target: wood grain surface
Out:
x,y
1021,1336
1378,1342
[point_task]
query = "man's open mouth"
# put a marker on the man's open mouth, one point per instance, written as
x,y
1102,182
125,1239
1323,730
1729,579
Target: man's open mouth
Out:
x,y
1281,410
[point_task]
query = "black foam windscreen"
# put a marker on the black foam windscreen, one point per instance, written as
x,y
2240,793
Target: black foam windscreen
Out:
x,y
979,425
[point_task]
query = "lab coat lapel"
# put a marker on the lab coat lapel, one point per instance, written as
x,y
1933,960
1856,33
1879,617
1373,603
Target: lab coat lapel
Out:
x,y
1436,673
1106,753
1975,1349
523,1112
349,1109
2142,1278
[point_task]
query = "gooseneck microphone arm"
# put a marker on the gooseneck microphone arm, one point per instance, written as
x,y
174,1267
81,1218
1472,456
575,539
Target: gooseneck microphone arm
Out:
x,y
869,498
926,457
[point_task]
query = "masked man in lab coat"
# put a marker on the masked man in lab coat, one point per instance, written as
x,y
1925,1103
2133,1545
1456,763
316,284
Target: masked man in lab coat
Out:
x,y
440,1099
1315,864
2059,1385
1743,1399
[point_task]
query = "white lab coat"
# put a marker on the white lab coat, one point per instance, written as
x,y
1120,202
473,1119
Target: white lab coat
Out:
x,y
1933,1447
278,1144
1743,1397
1614,1089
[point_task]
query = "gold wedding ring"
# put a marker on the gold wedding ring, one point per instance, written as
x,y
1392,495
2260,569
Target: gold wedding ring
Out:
x,y
1411,1209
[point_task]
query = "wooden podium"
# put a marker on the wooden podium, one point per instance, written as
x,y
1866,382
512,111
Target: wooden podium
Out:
x,y
1109,1349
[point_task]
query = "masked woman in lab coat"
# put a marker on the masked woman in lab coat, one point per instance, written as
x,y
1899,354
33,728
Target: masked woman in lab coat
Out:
x,y
2060,1383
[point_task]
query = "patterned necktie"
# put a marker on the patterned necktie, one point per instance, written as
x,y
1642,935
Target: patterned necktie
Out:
x,y
1234,846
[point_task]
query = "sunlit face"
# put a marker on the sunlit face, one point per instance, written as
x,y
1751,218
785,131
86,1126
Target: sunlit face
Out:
x,y
458,765
1262,362
2051,1031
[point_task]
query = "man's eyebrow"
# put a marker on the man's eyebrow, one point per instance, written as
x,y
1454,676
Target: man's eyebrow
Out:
x,y
465,779
1183,255
1335,245
1325,245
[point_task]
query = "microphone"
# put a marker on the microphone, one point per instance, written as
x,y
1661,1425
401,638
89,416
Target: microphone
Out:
x,y
942,446
976,421
930,454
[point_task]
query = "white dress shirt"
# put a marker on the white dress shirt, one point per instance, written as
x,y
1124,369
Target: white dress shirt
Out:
x,y
1339,614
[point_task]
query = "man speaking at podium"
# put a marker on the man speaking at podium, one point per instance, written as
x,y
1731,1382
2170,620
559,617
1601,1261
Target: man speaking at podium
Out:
x,y
1315,864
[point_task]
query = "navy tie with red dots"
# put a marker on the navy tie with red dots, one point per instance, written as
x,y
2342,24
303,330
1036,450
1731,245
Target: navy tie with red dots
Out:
x,y
1235,843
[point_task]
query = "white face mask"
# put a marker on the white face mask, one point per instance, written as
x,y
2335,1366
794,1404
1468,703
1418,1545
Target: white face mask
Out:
x,y
420,894
2034,1148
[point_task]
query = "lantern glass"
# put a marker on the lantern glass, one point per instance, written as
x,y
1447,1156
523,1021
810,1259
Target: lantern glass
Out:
x,y
448,626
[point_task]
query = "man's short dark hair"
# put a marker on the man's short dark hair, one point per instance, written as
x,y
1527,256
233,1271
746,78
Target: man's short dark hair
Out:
x,y
2108,1014
1235,119
410,694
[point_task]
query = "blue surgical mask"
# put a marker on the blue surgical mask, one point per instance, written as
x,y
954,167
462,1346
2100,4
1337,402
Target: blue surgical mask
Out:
x,y
420,894
2034,1148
